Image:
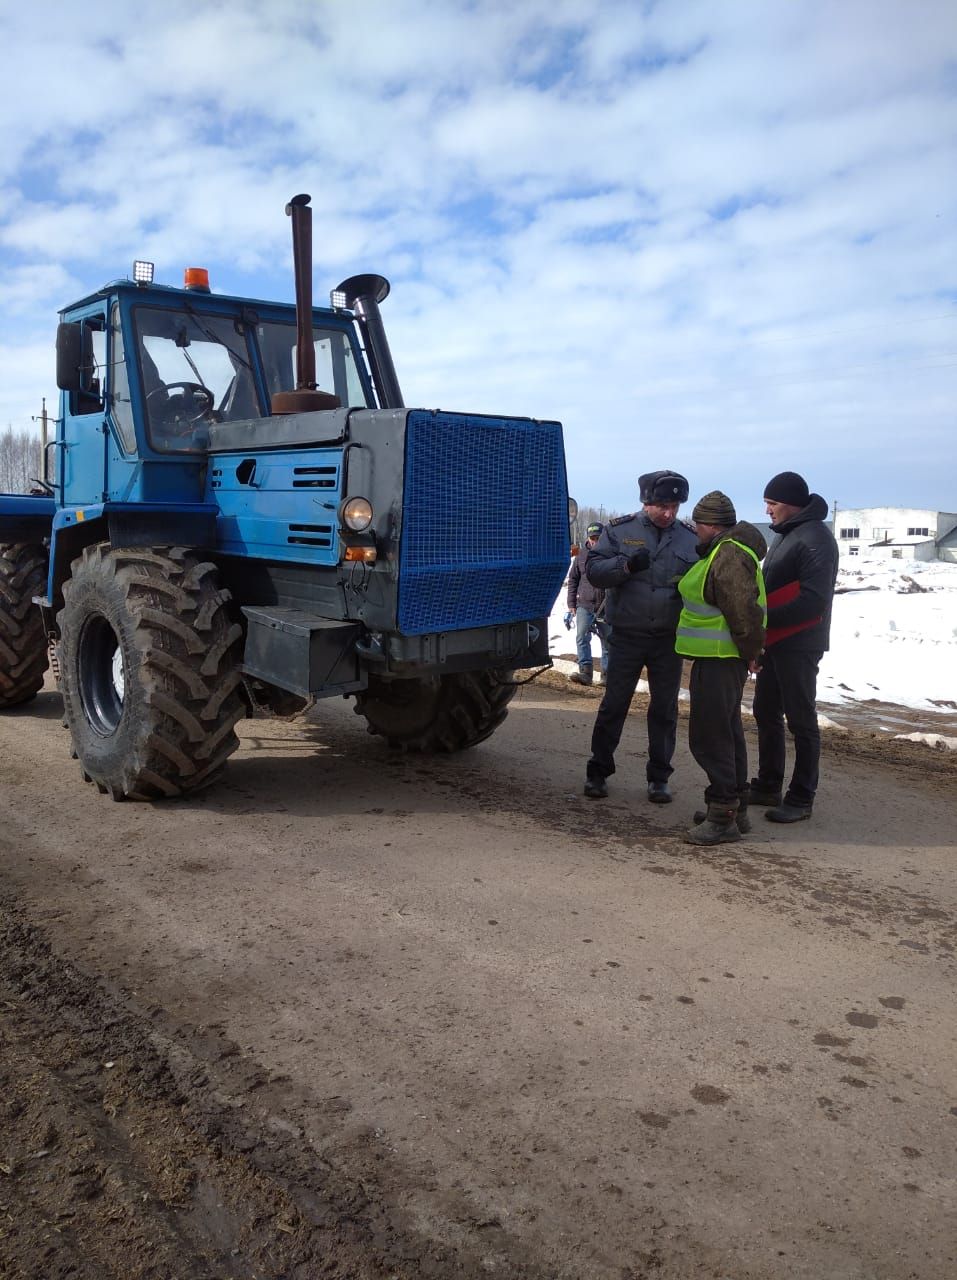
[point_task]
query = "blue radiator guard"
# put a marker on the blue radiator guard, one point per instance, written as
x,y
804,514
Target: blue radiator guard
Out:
x,y
485,521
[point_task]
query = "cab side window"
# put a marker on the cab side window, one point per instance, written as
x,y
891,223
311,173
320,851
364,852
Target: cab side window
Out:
x,y
120,405
89,397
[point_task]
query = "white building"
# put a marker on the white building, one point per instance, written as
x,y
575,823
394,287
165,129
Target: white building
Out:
x,y
899,533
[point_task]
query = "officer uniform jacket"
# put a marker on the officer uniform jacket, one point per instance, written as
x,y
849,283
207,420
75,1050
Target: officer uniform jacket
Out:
x,y
580,590
647,601
799,573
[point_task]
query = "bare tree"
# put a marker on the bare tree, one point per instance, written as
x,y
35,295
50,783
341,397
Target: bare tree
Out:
x,y
20,463
590,515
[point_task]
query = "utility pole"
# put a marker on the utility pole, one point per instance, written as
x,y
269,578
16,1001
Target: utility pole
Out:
x,y
44,437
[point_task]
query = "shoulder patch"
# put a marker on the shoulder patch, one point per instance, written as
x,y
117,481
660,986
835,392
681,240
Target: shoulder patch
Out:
x,y
622,519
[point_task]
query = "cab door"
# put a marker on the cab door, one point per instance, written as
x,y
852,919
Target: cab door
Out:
x,y
82,433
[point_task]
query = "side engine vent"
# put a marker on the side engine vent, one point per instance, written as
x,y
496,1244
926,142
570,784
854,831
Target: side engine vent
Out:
x,y
314,477
310,535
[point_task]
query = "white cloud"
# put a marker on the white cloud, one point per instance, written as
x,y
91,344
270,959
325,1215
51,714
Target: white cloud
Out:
x,y
716,237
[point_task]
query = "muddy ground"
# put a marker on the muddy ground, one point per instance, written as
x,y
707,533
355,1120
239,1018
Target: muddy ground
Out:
x,y
355,1014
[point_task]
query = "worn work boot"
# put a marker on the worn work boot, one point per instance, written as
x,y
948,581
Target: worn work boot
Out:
x,y
763,793
789,811
583,675
596,788
743,818
719,826
659,793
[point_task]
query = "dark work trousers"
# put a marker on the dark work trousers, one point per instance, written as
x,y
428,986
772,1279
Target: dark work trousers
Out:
x,y
628,653
787,690
715,732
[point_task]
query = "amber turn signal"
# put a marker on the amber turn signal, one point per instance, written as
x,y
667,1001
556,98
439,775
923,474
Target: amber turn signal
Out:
x,y
365,554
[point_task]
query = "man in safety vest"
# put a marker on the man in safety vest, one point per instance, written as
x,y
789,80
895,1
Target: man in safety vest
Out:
x,y
722,624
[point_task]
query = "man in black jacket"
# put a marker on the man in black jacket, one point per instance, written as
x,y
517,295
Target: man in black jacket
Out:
x,y
638,561
584,604
799,573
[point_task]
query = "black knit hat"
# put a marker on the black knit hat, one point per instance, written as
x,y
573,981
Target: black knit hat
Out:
x,y
594,530
788,487
714,508
663,486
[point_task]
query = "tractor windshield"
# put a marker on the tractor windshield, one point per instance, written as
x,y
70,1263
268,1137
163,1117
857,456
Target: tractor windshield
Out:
x,y
196,369
336,369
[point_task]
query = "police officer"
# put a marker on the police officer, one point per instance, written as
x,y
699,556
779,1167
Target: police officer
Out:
x,y
639,560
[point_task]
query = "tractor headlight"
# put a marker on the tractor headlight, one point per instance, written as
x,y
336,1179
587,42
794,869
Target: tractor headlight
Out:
x,y
356,514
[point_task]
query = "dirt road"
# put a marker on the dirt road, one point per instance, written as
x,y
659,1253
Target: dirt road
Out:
x,y
356,1014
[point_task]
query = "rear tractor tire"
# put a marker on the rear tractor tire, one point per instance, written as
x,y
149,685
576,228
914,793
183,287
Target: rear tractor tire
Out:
x,y
149,669
24,657
437,713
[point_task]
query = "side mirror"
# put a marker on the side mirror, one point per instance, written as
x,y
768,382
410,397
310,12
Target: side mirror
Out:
x,y
76,366
69,355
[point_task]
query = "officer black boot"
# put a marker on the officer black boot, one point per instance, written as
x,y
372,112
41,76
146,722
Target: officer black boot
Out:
x,y
719,826
583,675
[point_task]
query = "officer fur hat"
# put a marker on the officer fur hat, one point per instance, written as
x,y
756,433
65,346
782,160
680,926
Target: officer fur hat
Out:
x,y
663,486
715,508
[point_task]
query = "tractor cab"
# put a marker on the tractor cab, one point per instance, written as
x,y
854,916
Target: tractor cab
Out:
x,y
146,370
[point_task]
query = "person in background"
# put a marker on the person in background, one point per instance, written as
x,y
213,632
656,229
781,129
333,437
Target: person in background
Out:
x,y
638,562
722,628
584,603
800,572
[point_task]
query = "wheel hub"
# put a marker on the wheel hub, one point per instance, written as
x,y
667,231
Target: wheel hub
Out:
x,y
101,676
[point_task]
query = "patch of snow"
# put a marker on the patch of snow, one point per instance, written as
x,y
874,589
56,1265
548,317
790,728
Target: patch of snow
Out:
x,y
936,740
889,643
825,722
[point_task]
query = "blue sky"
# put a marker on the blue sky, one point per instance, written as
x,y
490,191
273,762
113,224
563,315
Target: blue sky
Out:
x,y
720,238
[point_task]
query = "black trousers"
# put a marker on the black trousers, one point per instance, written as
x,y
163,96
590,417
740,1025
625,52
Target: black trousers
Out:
x,y
715,732
630,652
787,691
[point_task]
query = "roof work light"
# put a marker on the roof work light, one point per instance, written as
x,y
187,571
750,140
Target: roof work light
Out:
x,y
143,272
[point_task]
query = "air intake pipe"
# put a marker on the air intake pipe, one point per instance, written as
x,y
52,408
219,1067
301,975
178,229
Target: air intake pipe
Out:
x,y
362,296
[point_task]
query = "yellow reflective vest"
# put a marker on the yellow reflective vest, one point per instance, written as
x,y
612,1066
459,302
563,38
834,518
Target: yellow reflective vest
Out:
x,y
702,628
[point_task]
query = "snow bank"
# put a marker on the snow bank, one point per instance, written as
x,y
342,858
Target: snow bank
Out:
x,y
893,635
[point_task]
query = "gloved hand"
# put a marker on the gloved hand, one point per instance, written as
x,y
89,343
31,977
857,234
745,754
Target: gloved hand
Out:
x,y
568,620
640,560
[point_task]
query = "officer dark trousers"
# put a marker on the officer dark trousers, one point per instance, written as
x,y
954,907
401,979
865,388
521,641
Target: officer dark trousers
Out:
x,y
715,733
628,653
787,690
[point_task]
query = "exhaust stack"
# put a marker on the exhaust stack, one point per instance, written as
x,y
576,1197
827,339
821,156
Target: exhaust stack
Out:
x,y
362,296
305,397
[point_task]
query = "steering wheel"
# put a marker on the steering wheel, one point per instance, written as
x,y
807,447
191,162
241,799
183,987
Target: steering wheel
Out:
x,y
182,411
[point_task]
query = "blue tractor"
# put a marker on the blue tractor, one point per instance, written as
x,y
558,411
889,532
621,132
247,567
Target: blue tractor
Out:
x,y
240,515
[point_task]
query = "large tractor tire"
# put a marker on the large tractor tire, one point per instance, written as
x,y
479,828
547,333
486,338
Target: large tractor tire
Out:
x,y
149,669
24,657
437,713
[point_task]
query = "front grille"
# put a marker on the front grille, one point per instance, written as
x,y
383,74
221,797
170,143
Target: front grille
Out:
x,y
485,521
